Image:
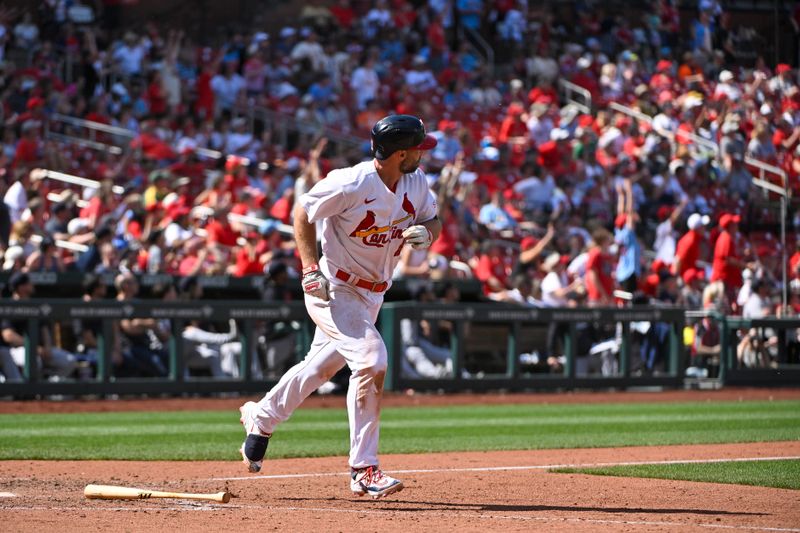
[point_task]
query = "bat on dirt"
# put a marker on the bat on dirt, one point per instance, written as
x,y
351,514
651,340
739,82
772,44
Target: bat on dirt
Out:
x,y
110,492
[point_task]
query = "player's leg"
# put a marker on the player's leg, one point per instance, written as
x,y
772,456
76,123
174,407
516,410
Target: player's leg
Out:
x,y
350,323
319,365
259,419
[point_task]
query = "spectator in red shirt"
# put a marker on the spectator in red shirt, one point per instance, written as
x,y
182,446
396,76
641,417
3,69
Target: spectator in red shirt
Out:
x,y
29,149
687,251
282,208
248,260
194,259
556,154
585,78
451,233
544,93
794,262
513,129
219,229
727,266
599,281
662,79
491,268
155,96
343,13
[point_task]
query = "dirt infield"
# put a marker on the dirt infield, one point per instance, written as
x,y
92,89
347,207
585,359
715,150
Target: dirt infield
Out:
x,y
474,491
508,491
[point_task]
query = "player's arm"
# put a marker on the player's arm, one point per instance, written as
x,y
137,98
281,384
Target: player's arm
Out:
x,y
305,234
434,225
421,236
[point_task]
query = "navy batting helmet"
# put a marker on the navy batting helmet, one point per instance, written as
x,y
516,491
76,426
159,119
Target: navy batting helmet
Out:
x,y
399,132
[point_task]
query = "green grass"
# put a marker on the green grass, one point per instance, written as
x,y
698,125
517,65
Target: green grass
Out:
x,y
782,474
202,435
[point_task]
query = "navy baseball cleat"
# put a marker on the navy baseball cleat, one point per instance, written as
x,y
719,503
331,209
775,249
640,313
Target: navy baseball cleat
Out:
x,y
254,447
374,482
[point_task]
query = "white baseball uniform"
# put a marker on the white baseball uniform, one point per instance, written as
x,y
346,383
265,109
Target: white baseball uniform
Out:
x,y
362,237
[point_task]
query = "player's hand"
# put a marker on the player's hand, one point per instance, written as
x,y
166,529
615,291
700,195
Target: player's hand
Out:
x,y
314,283
419,237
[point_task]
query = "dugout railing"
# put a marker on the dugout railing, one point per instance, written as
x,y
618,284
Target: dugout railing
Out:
x,y
760,351
491,346
102,381
514,333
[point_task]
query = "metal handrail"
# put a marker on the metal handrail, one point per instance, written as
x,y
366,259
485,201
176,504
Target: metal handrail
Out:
x,y
638,115
94,145
765,168
568,87
67,245
41,173
112,130
488,51
694,138
92,125
256,221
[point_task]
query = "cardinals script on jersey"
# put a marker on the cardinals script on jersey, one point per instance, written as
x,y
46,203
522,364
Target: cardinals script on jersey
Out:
x,y
366,236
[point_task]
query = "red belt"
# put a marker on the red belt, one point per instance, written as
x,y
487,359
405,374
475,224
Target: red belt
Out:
x,y
373,286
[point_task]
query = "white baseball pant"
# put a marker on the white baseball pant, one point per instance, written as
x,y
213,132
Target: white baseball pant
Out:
x,y
345,334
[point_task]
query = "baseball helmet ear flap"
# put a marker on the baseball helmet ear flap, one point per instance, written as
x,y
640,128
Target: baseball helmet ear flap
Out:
x,y
399,132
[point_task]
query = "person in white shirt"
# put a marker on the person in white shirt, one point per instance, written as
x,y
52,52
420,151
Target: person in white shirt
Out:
x,y
26,33
130,54
420,79
556,288
16,197
310,49
365,83
727,87
240,141
539,124
227,87
370,212
666,237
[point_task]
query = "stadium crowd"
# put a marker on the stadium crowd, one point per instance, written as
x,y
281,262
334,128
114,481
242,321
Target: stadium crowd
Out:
x,y
545,203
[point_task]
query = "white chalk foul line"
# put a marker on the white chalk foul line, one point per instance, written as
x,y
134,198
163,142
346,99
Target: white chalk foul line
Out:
x,y
507,468
393,513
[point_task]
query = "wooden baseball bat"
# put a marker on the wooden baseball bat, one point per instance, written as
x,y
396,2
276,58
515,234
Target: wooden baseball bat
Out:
x,y
111,492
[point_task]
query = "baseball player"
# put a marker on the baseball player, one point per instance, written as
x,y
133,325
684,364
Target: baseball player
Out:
x,y
368,212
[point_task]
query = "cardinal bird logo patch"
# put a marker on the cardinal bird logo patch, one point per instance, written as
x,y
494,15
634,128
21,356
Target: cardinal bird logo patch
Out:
x,y
379,236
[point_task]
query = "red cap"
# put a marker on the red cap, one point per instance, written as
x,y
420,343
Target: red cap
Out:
x,y
445,125
528,243
692,274
658,265
765,250
233,162
239,209
252,235
34,101
664,64
620,221
515,109
726,219
178,211
782,67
